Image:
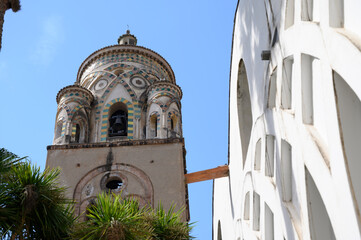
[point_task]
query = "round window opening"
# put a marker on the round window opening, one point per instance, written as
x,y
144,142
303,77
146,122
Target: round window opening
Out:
x,y
114,185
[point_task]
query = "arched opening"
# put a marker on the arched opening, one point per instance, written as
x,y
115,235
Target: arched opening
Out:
x,y
310,68
290,13
219,231
153,125
272,90
320,225
268,223
246,206
77,133
118,120
336,13
172,124
269,155
286,88
257,155
286,170
256,211
58,130
79,128
349,116
307,10
244,109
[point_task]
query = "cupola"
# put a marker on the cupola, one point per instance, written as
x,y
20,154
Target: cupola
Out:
x,y
127,39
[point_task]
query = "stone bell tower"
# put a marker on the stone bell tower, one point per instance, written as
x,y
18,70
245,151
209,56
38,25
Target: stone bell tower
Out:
x,y
118,128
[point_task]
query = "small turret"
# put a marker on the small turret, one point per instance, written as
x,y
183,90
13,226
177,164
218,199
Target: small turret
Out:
x,y
127,39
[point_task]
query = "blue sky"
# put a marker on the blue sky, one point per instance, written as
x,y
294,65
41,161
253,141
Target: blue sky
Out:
x,y
45,43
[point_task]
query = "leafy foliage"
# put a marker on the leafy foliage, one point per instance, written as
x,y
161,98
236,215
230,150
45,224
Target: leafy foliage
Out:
x,y
7,161
7,214
168,225
113,218
32,205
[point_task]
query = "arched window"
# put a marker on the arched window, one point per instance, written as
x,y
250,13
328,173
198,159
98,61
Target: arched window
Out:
x,y
77,133
59,127
79,128
153,125
247,205
118,121
244,109
172,124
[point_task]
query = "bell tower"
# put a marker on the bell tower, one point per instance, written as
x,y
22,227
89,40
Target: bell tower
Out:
x,y
118,128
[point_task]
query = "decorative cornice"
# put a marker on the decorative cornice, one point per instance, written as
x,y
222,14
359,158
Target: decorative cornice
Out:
x,y
117,144
74,88
125,48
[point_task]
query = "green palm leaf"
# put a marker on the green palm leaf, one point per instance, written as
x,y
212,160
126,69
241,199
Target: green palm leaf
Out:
x,y
168,225
41,208
113,218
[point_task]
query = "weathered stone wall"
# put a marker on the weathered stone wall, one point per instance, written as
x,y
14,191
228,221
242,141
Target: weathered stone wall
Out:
x,y
151,170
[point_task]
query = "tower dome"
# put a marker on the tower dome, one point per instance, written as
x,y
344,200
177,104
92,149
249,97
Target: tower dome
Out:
x,y
133,96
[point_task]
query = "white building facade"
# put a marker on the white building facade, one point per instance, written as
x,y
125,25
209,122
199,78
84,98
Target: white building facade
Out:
x,y
294,123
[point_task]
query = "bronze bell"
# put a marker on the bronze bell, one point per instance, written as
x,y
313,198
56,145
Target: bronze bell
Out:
x,y
118,124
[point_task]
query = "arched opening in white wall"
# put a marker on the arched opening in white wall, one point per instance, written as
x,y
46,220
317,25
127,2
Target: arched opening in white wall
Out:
x,y
307,10
286,88
286,170
320,225
118,120
336,13
247,206
257,155
268,223
349,115
219,231
269,155
256,211
272,89
244,109
309,71
290,13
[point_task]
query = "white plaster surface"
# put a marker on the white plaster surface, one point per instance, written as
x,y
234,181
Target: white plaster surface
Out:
x,y
317,146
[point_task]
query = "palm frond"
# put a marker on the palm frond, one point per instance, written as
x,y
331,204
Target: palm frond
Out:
x,y
113,218
168,225
8,160
42,210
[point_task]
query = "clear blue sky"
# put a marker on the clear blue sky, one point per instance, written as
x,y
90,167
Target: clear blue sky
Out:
x,y
45,43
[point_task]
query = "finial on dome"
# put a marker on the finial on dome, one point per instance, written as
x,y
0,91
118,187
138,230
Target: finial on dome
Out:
x,y
127,39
